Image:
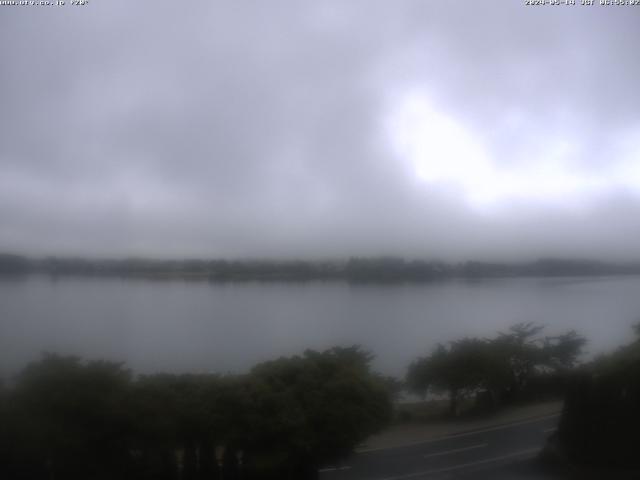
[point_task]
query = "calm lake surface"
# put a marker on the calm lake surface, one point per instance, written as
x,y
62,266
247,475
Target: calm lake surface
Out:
x,y
207,327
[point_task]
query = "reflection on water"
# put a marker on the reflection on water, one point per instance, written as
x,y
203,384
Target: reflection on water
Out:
x,y
191,326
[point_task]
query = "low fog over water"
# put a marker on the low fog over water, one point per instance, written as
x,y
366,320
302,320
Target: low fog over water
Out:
x,y
200,327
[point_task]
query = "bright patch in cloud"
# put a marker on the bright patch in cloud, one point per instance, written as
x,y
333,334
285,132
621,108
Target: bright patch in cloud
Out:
x,y
445,153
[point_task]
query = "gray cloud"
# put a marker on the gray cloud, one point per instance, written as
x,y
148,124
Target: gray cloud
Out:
x,y
259,128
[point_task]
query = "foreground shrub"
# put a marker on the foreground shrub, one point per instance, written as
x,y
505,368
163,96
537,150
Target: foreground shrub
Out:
x,y
69,419
601,419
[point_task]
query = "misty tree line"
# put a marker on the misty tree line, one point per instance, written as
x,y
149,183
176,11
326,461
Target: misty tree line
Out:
x,y
356,269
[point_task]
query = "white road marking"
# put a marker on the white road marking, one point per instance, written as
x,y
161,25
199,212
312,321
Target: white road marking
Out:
x,y
333,469
520,453
549,430
459,435
456,450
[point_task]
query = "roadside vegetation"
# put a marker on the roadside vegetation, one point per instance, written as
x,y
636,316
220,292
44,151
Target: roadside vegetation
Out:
x,y
601,419
68,419
65,418
482,374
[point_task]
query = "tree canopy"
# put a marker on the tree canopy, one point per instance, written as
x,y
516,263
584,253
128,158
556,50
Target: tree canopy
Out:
x,y
66,418
500,367
600,421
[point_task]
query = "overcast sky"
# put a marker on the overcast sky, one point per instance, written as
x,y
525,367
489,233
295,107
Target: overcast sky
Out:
x,y
318,129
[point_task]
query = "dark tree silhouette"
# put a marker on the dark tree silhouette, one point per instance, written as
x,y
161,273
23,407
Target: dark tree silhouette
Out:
x,y
69,419
498,369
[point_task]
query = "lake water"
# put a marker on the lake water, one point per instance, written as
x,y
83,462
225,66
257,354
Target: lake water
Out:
x,y
205,327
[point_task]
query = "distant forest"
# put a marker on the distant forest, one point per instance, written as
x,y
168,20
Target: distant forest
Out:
x,y
379,269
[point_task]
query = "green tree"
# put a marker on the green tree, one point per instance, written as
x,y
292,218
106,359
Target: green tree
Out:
x,y
68,419
71,416
496,368
461,369
317,407
600,420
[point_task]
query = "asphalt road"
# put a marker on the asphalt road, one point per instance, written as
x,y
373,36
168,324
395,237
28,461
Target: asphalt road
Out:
x,y
502,452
